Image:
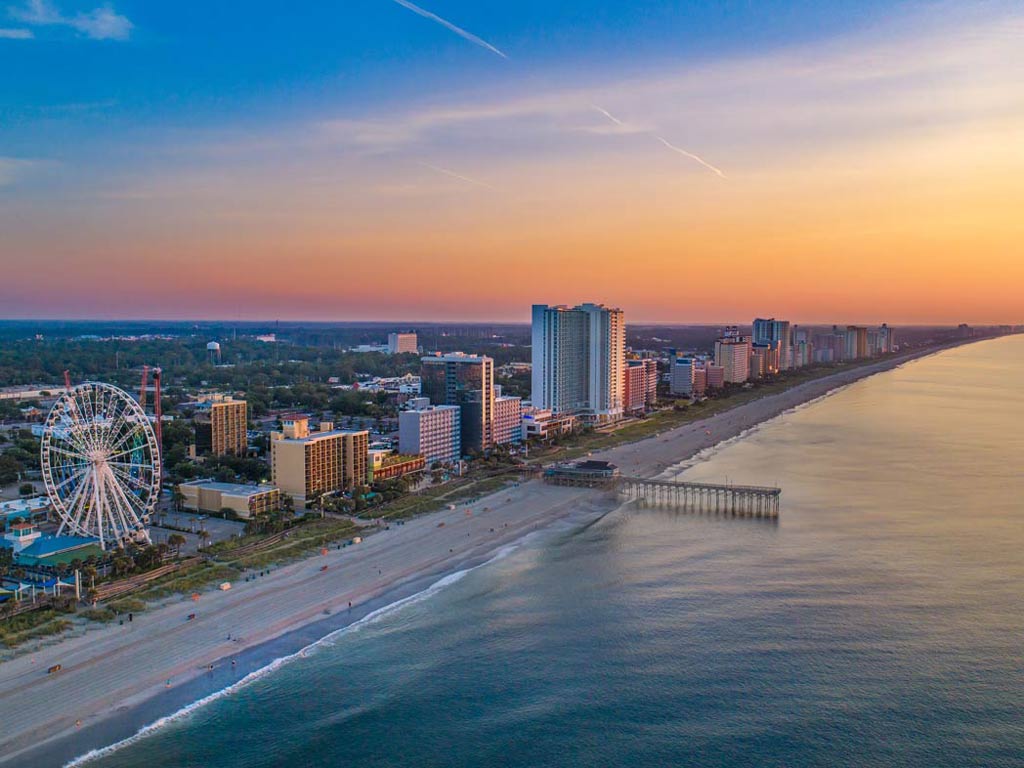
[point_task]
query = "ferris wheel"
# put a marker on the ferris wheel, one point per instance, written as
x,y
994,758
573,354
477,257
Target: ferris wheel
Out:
x,y
101,464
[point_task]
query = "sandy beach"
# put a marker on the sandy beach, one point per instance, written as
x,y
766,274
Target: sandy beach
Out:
x,y
110,670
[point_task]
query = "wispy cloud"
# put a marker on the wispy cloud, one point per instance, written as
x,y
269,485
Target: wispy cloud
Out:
x,y
16,34
455,175
448,25
666,142
12,168
101,23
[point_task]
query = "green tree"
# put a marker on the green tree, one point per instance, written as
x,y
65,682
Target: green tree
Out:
x,y
177,541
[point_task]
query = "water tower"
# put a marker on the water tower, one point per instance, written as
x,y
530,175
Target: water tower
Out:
x,y
213,351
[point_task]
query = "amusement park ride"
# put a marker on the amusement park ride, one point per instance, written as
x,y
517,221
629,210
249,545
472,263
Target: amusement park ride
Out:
x,y
100,457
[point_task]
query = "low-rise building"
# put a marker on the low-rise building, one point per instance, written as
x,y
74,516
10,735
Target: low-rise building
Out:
x,y
29,547
385,464
29,510
244,499
542,423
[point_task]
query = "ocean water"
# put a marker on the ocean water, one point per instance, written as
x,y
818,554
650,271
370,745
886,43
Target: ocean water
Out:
x,y
879,622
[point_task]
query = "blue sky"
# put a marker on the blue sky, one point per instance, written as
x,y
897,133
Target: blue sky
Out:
x,y
197,64
228,139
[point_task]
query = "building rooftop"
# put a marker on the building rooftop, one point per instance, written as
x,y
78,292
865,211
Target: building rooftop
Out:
x,y
319,435
230,488
53,550
455,357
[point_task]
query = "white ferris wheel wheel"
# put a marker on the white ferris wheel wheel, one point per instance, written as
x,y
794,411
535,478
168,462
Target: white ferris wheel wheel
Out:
x,y
101,464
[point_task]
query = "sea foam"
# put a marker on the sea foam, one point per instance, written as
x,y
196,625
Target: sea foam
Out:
x,y
278,663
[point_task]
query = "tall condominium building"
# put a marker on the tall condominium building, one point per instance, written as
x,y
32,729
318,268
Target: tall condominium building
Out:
x,y
221,426
640,390
400,343
468,382
305,463
508,420
431,431
682,376
732,352
764,360
803,348
770,330
886,340
856,342
578,360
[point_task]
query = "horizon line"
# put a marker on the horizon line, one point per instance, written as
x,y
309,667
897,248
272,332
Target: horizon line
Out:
x,y
524,322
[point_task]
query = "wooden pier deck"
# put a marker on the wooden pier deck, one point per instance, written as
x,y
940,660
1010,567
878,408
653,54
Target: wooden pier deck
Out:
x,y
738,500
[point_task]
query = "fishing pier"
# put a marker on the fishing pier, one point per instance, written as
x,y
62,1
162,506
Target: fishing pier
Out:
x,y
705,498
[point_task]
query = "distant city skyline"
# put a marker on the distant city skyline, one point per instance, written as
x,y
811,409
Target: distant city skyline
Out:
x,y
456,161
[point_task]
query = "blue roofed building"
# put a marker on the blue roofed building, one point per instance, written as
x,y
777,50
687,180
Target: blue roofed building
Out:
x,y
32,548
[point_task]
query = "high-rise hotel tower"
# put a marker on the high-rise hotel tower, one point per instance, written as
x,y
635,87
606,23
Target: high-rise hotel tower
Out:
x,y
579,357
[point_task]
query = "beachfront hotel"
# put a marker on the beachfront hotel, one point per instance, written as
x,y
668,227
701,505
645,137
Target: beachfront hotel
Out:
x,y
508,419
431,431
640,385
305,463
468,382
732,352
777,332
579,361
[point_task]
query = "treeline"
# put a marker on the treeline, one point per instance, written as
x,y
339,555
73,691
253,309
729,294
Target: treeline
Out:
x,y
245,364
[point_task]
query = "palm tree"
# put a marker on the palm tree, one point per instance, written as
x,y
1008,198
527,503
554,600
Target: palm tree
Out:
x,y
90,572
122,565
177,499
176,540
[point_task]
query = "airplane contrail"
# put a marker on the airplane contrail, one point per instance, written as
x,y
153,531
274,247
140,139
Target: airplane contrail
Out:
x,y
448,25
608,114
667,143
690,155
455,175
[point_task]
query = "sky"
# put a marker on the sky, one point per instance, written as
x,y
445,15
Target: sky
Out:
x,y
821,161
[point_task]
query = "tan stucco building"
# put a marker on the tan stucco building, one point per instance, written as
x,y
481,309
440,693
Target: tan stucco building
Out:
x,y
305,463
244,500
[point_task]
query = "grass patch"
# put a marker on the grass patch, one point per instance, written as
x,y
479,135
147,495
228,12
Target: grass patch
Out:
x,y
27,626
127,605
104,615
437,497
191,580
301,540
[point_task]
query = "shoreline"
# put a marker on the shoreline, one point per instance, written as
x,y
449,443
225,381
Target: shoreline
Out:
x,y
389,567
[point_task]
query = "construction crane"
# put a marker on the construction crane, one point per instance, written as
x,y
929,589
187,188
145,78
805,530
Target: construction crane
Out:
x,y
158,411
142,389
157,405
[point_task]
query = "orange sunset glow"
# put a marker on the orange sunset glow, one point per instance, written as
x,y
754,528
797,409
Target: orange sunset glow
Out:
x,y
874,175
